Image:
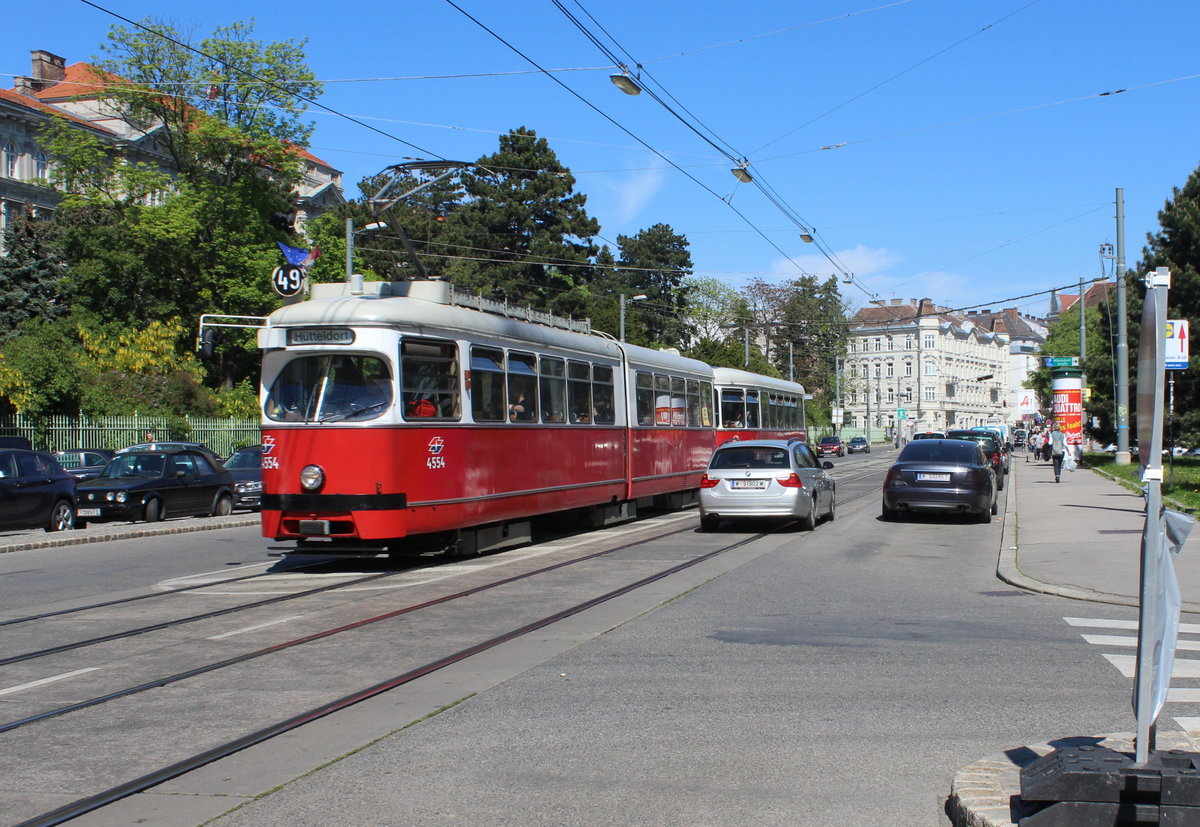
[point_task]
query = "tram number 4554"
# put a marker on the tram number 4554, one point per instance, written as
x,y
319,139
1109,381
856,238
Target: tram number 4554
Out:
x,y
435,462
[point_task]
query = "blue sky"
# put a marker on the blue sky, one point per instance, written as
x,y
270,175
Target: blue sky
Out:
x,y
972,155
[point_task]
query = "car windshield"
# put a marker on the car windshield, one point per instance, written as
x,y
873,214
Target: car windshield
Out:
x,y
930,450
829,440
245,459
750,457
135,465
985,441
330,389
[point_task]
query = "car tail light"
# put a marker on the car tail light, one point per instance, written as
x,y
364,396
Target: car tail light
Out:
x,y
790,481
892,477
708,482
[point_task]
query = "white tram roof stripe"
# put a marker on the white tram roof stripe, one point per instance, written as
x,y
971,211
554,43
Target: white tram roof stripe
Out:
x,y
423,314
742,378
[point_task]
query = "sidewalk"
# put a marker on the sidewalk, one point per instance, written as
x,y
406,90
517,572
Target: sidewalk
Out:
x,y
1081,538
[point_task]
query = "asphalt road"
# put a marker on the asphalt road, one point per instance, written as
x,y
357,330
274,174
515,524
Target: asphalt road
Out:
x,y
840,677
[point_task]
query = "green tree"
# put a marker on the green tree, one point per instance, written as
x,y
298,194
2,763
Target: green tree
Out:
x,y
657,262
526,228
143,246
32,275
813,322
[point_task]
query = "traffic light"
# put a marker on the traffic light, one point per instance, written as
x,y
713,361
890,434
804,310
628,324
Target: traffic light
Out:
x,y
208,338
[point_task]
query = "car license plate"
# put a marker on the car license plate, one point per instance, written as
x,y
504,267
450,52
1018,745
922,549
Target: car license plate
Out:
x,y
759,484
933,477
88,512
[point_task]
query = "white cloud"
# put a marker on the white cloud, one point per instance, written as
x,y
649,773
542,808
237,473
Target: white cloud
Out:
x,y
634,191
859,260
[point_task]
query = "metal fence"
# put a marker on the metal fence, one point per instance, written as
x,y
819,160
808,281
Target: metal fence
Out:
x,y
54,433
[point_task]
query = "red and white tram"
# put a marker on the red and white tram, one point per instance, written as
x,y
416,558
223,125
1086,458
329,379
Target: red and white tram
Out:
x,y
752,406
394,411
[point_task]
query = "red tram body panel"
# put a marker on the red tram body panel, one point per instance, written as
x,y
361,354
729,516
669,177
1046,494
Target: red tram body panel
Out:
x,y
393,411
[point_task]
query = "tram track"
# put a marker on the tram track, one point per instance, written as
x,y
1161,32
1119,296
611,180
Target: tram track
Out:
x,y
292,722
167,680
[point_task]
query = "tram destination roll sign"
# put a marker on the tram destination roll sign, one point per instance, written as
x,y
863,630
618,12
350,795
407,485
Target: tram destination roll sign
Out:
x,y
320,336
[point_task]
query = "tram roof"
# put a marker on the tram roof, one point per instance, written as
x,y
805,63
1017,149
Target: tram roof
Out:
x,y
734,376
427,308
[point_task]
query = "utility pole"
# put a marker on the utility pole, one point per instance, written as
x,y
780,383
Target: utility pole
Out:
x,y
1123,457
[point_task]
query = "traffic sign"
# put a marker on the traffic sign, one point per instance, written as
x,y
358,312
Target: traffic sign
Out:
x,y
901,413
1061,361
1177,344
288,281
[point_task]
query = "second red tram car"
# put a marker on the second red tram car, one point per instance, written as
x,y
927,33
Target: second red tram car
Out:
x,y
397,413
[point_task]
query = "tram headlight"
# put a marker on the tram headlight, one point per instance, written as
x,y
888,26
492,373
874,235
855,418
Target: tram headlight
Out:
x,y
312,477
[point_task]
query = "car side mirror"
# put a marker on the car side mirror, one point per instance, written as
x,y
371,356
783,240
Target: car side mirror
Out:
x,y
827,464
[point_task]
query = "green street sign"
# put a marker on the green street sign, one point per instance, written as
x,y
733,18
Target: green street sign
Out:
x,y
901,413
1061,361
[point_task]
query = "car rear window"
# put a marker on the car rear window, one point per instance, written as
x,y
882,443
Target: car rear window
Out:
x,y
750,458
930,450
985,441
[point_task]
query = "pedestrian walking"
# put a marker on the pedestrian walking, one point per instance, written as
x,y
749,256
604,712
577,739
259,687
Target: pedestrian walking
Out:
x,y
1058,447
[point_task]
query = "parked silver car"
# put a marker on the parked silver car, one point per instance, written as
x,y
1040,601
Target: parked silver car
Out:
x,y
766,478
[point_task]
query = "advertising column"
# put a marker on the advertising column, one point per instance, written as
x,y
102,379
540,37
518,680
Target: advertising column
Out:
x,y
1068,405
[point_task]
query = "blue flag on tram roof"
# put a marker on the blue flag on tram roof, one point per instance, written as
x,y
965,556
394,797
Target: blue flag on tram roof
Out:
x,y
297,257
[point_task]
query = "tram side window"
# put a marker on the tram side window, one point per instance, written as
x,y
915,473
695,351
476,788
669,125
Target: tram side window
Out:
x,y
644,398
773,410
752,414
678,402
603,395
693,403
706,411
733,408
579,392
487,384
429,372
662,400
522,387
553,385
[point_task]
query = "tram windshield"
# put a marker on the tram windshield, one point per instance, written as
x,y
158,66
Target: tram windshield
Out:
x,y
324,388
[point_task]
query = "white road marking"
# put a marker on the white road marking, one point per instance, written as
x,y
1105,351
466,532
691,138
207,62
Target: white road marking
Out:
x,y
1127,664
255,628
457,569
45,681
1102,623
1129,640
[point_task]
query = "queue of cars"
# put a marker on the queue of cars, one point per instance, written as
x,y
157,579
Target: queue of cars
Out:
x,y
149,481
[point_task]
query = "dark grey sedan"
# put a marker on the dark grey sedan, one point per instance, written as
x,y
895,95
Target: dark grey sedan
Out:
x,y
941,475
151,485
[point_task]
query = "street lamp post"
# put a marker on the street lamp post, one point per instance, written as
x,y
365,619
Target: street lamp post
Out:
x,y
636,298
350,232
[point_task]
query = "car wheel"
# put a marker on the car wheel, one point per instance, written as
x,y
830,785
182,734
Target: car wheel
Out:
x,y
62,516
709,522
889,513
154,511
996,506
809,523
223,507
832,515
999,482
985,516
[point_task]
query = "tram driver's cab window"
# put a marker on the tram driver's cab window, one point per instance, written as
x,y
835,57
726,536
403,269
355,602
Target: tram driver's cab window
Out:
x,y
429,379
330,388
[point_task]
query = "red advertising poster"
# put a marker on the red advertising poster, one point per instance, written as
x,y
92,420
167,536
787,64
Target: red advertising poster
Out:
x,y
1068,407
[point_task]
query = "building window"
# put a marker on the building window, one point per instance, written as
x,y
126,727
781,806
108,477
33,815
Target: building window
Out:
x,y
10,160
41,166
931,368
891,343
878,344
930,341
929,394
891,370
908,369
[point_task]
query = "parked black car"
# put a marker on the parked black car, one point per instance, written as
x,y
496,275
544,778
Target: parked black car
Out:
x,y
151,485
84,463
941,475
35,491
246,466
